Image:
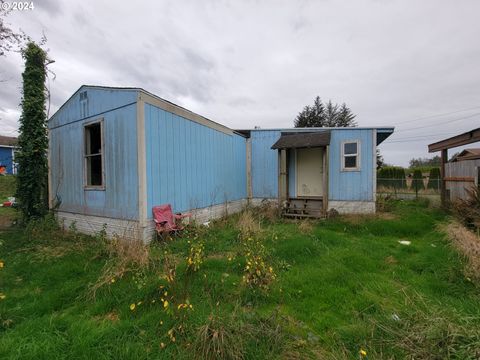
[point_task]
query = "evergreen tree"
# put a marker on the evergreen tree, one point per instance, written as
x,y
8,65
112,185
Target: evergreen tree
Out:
x,y
325,115
32,192
434,179
417,182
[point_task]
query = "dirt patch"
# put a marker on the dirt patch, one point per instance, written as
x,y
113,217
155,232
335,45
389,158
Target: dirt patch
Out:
x,y
111,316
360,218
390,260
468,244
305,226
387,216
6,221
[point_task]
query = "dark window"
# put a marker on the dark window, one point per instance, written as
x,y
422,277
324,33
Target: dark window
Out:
x,y
350,148
350,161
350,156
93,155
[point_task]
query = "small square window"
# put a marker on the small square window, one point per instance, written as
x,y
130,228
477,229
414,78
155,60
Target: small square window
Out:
x,y
350,156
93,155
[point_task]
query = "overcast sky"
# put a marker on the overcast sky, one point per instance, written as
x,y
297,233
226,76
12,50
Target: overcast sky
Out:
x,y
245,63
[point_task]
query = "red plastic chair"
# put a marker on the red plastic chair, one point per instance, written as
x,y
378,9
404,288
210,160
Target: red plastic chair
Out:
x,y
166,222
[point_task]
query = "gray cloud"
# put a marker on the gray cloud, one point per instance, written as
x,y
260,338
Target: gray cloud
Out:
x,y
259,62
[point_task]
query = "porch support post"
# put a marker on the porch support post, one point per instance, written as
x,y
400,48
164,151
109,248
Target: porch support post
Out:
x,y
443,187
325,179
282,179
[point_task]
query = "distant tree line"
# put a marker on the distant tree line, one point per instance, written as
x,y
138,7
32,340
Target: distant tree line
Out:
x,y
425,162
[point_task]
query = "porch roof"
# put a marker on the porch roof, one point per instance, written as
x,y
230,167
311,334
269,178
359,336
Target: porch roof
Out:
x,y
292,140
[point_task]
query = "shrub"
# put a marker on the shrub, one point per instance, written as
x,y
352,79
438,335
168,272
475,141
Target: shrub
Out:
x,y
124,256
220,339
268,211
468,210
247,225
196,255
417,182
434,179
257,272
392,177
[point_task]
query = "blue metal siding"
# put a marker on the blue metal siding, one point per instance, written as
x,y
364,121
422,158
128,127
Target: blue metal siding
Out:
x,y
264,164
120,197
6,158
99,100
351,185
191,165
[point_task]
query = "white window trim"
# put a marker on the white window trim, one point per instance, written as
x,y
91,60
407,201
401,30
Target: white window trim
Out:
x,y
358,155
102,153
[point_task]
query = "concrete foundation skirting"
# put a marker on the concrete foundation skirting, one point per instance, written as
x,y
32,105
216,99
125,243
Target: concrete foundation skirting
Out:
x,y
261,201
352,207
203,215
130,229
91,225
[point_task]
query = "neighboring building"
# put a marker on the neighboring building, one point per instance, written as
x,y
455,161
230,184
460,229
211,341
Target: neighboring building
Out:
x,y
467,154
7,154
116,152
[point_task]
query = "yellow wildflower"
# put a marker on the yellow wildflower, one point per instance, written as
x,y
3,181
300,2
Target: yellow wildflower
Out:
x,y
363,353
2,296
165,304
2,264
112,280
162,345
132,307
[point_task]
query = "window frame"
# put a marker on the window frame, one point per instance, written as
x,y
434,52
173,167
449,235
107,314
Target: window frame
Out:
x,y
86,186
357,154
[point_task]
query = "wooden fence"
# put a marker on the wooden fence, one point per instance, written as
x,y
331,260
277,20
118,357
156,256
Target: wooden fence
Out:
x,y
461,176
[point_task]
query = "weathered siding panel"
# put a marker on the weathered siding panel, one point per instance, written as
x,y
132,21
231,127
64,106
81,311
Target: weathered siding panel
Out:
x,y
264,164
99,101
120,197
466,168
351,185
190,165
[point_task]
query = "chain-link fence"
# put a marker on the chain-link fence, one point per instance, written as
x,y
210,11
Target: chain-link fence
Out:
x,y
409,187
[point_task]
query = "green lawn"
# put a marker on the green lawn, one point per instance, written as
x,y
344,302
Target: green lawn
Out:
x,y
341,285
7,189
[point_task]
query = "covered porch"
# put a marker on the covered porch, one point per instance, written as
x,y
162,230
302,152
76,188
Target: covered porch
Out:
x,y
303,173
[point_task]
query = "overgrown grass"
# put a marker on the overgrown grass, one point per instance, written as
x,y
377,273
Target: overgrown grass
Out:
x,y
7,189
341,285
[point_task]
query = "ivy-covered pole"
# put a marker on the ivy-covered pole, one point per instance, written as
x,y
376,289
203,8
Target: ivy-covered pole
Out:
x,y
32,175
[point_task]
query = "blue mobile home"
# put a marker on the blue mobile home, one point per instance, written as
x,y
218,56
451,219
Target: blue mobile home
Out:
x,y
114,153
7,154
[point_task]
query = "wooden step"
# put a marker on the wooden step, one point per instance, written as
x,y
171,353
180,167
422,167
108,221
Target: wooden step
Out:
x,y
303,208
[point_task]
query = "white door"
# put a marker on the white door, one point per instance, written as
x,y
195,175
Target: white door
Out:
x,y
310,172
